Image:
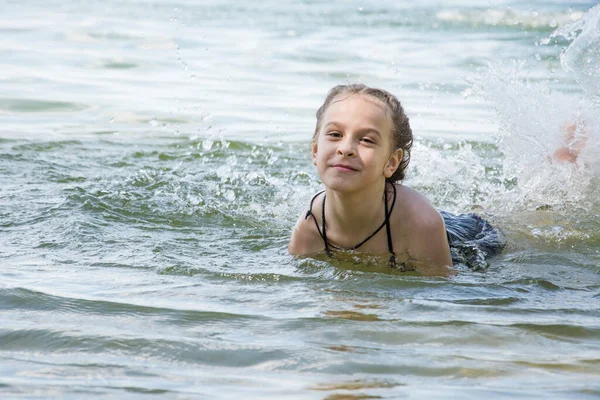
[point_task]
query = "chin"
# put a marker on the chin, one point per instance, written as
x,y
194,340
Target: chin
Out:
x,y
343,185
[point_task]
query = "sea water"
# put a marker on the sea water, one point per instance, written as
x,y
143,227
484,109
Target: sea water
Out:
x,y
154,159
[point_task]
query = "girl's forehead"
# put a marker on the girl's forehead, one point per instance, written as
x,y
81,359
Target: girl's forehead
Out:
x,y
357,106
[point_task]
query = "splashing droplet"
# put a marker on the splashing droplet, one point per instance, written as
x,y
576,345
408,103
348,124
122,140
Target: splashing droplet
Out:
x,y
207,144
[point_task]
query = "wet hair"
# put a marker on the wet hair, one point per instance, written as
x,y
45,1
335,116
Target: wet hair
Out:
x,y
401,132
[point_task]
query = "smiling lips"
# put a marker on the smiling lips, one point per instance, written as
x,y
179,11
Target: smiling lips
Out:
x,y
344,168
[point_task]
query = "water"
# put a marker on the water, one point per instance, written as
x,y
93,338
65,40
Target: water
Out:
x,y
154,158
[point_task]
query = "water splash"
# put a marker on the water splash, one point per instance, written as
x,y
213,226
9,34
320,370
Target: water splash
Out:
x,y
533,124
458,186
535,121
582,57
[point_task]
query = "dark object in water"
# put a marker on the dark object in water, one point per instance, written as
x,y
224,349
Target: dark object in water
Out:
x,y
472,239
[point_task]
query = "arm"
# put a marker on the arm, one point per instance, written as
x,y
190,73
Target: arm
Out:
x,y
430,245
296,240
305,239
421,233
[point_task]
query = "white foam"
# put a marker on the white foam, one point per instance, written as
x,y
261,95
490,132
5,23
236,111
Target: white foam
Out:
x,y
509,17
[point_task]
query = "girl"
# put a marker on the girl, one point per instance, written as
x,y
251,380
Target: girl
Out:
x,y
361,148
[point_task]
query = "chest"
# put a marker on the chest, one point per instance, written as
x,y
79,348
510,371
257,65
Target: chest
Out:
x,y
383,241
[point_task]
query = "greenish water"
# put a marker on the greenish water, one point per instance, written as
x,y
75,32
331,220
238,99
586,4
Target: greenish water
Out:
x,y
153,161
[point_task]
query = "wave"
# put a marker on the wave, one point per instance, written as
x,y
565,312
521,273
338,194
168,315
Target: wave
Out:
x,y
508,18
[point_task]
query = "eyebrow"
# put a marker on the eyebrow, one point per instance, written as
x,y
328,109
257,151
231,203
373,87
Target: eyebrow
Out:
x,y
365,130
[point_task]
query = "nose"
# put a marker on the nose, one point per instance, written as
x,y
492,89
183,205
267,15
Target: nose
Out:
x,y
346,148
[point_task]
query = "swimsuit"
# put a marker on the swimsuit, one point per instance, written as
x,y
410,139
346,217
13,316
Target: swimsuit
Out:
x,y
323,230
471,238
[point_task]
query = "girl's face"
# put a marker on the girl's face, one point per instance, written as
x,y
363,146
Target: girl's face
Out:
x,y
353,150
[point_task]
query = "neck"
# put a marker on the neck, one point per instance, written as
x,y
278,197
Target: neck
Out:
x,y
355,214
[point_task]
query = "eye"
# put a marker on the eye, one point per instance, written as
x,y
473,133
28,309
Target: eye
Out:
x,y
334,134
368,140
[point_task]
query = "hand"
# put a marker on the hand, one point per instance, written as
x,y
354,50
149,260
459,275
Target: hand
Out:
x,y
574,139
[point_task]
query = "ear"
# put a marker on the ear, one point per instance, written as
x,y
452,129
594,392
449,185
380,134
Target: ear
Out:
x,y
314,149
393,163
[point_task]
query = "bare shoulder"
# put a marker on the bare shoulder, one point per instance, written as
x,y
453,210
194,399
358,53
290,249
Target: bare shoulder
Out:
x,y
415,211
305,238
421,227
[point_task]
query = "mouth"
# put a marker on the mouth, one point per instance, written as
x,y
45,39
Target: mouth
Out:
x,y
344,168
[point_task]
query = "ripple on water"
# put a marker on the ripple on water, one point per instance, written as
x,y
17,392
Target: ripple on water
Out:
x,y
33,106
29,300
202,350
563,331
51,146
120,65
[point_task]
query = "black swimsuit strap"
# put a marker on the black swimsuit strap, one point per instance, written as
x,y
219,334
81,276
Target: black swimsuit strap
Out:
x,y
310,214
388,229
324,234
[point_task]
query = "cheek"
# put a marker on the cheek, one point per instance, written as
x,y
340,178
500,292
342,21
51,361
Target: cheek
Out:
x,y
319,156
